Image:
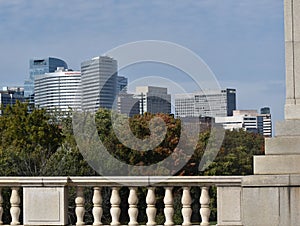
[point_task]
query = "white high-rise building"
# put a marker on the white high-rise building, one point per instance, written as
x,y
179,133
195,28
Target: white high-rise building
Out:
x,y
99,83
208,103
58,91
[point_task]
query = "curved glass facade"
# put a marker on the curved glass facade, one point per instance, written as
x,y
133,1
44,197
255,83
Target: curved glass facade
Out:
x,y
40,66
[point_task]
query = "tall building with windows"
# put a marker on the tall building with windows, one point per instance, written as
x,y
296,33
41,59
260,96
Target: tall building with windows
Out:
x,y
264,122
40,66
58,91
208,103
98,83
153,99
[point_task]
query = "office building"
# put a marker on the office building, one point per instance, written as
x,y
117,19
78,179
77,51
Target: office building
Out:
x,y
122,83
127,104
153,99
10,95
40,66
98,83
208,103
58,91
248,120
264,122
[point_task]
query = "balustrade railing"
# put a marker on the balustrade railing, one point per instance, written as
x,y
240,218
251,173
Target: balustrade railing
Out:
x,y
45,199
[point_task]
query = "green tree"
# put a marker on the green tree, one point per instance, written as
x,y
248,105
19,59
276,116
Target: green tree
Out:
x,y
27,140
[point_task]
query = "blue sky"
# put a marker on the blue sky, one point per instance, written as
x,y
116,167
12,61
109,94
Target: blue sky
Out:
x,y
242,41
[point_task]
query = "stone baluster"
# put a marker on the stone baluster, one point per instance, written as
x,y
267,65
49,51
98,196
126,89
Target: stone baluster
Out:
x,y
133,210
79,210
1,208
205,210
151,210
168,210
15,206
97,206
186,211
115,210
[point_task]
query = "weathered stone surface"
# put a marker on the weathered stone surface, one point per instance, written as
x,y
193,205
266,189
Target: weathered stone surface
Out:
x,y
288,128
45,206
282,145
277,164
296,20
288,20
289,62
271,200
260,206
266,181
297,69
292,111
229,206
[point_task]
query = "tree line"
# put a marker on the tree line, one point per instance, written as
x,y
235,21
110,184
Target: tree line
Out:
x,y
40,144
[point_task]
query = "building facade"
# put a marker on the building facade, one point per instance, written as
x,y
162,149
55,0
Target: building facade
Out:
x,y
40,66
127,104
248,120
58,91
98,83
153,99
10,95
264,122
122,83
208,103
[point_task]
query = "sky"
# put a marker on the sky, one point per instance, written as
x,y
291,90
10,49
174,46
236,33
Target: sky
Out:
x,y
242,41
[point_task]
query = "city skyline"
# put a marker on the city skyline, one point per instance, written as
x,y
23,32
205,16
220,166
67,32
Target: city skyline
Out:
x,y
242,42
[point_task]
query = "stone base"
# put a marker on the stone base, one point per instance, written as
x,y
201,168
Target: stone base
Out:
x,y
229,206
276,164
282,152
288,128
271,200
285,145
292,111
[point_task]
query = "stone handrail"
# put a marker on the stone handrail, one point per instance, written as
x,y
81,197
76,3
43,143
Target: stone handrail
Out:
x,y
45,198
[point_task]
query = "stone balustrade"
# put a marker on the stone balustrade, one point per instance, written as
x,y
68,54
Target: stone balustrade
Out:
x,y
45,199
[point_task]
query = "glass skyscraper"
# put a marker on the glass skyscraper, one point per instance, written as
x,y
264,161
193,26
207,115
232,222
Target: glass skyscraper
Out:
x,y
39,67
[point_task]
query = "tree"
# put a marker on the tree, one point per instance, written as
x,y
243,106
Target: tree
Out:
x,y
27,140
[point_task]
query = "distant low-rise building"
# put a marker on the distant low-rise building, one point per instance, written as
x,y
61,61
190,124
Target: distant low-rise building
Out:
x,y
249,120
150,99
208,103
153,99
128,105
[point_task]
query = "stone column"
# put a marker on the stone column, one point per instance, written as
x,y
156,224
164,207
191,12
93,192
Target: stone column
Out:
x,y
283,151
271,196
292,58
